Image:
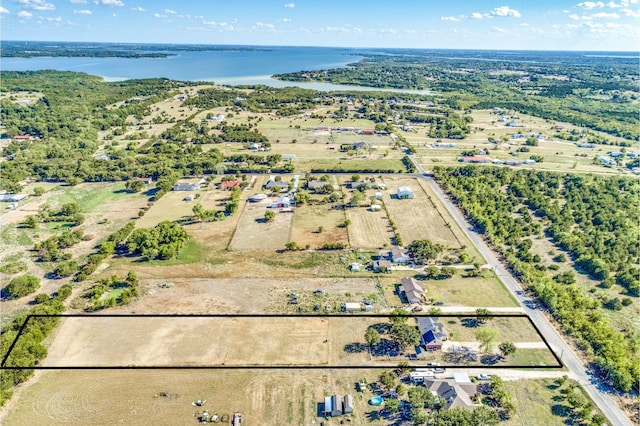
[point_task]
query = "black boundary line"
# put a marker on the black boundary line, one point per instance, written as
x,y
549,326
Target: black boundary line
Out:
x,y
271,367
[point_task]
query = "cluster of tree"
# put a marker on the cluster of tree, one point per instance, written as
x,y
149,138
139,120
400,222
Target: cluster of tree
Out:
x,y
164,241
113,242
29,348
13,267
69,212
590,216
49,250
590,86
122,291
501,397
411,168
422,251
21,286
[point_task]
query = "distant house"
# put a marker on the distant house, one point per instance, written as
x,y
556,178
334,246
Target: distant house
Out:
x,y
22,137
12,198
404,192
410,289
443,145
145,180
273,183
347,404
358,185
607,160
282,202
432,333
366,132
399,255
586,145
457,392
102,156
382,265
476,159
230,184
314,185
186,186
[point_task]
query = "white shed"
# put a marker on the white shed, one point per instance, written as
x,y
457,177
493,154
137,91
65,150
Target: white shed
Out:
x,y
352,307
404,192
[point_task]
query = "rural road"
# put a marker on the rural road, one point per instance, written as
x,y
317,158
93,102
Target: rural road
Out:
x,y
592,385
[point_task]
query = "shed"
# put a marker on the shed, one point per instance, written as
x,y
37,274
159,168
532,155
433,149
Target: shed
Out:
x,y
378,195
336,406
257,198
355,267
328,406
347,406
375,207
352,307
404,192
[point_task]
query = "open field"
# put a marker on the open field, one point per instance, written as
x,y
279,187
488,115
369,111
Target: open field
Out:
x,y
135,397
510,329
417,218
309,218
368,229
253,232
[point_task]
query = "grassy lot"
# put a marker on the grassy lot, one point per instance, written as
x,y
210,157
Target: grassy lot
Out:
x,y
368,229
533,357
309,218
456,291
539,402
94,196
253,232
513,330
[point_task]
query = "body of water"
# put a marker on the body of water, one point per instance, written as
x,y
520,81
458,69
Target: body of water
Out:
x,y
224,66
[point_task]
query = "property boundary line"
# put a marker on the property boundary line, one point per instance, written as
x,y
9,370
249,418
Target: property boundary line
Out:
x,y
3,365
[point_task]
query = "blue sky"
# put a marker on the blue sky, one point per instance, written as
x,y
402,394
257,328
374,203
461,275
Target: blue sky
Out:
x,y
477,24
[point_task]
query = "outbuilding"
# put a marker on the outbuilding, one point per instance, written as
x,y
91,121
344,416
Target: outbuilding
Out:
x,y
352,307
347,405
404,192
336,406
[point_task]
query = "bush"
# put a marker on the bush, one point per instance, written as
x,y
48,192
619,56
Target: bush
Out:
x,y
21,286
13,267
269,215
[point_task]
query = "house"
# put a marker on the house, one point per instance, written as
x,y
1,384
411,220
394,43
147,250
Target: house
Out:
x,y
273,183
186,186
476,159
457,392
256,198
410,289
404,192
282,202
382,265
347,404
12,198
399,255
607,161
145,180
366,132
432,332
228,185
315,185
357,185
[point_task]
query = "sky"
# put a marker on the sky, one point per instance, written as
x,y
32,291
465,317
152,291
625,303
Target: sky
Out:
x,y
447,24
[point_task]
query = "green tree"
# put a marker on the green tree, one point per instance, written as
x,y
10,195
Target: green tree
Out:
x,y
389,379
424,250
483,315
404,335
38,191
31,222
134,185
487,337
507,349
372,336
21,286
392,405
269,215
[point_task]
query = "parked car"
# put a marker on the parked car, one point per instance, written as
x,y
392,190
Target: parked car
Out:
x,y
483,377
294,301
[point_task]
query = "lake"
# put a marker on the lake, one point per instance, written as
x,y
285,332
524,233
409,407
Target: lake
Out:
x,y
229,67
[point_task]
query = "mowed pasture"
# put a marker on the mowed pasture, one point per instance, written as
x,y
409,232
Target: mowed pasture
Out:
x,y
254,233
368,229
317,224
164,397
418,218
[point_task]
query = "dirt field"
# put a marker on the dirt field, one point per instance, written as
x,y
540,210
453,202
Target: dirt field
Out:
x,y
368,229
164,397
417,218
307,221
254,233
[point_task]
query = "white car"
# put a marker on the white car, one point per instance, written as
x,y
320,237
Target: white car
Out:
x,y
483,377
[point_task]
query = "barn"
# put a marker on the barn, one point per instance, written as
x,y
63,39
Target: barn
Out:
x,y
404,192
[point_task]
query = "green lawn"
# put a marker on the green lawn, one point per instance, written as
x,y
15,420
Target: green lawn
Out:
x,y
94,196
517,329
532,357
477,291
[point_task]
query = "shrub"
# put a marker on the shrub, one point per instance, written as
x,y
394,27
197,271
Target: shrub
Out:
x,y
21,286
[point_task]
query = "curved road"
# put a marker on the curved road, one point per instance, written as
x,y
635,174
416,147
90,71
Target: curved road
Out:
x,y
591,384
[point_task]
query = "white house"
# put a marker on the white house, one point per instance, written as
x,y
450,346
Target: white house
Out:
x,y
404,192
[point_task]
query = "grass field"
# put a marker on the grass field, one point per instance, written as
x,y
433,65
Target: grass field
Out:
x,y
417,218
254,233
517,329
309,218
368,229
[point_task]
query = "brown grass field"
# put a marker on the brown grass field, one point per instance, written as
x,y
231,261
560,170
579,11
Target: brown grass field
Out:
x,y
309,218
368,229
164,397
253,233
417,218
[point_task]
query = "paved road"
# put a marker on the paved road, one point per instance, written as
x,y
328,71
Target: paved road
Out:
x,y
591,384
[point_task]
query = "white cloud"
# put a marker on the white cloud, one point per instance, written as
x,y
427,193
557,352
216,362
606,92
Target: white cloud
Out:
x,y
56,19
138,9
159,15
505,11
605,15
631,13
286,20
221,26
476,15
498,30
613,5
290,5
449,18
112,3
388,31
170,12
82,12
78,1
574,17
3,10
263,25
25,14
36,5
591,4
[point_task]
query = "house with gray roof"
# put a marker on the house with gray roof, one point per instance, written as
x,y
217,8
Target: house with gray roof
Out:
x,y
432,332
456,392
410,289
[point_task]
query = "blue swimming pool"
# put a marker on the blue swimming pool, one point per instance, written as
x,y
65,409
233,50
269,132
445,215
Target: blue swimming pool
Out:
x,y
376,400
